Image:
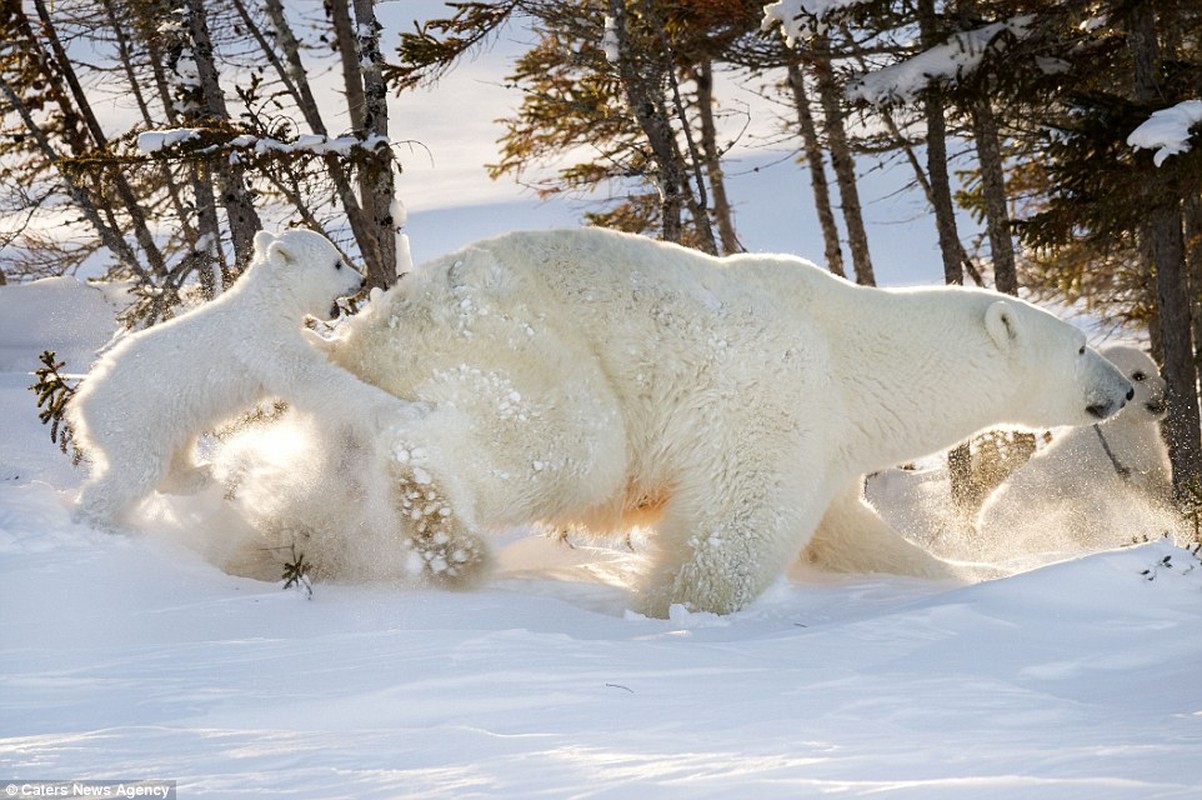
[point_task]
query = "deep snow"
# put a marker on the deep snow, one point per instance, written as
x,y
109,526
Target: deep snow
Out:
x,y
132,657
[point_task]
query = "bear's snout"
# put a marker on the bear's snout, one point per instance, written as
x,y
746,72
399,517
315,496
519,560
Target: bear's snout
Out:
x,y
1109,408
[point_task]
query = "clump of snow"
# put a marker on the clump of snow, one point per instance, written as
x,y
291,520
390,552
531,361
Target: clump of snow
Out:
x,y
1167,131
609,42
154,141
947,63
800,19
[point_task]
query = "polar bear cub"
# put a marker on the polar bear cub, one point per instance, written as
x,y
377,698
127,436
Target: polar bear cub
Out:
x,y
138,413
1095,486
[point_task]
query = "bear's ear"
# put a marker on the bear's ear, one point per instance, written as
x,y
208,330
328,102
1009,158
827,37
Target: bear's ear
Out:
x,y
280,252
263,240
1002,324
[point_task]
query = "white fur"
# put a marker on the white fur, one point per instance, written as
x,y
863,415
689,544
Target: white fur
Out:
x,y
596,379
1071,494
138,412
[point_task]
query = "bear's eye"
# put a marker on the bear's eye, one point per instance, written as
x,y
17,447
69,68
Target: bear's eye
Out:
x,y
338,264
1081,352
1139,376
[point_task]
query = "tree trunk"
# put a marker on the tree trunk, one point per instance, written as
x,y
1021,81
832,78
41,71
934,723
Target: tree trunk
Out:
x,y
959,459
1193,278
378,187
695,195
993,187
292,71
240,212
650,113
1182,426
723,215
83,109
109,236
831,97
924,183
1162,234
817,163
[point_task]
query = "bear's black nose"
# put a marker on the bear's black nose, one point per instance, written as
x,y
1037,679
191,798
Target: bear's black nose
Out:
x,y
1130,393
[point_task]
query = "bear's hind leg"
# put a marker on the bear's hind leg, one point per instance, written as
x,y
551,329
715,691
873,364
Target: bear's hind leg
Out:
x,y
121,479
443,548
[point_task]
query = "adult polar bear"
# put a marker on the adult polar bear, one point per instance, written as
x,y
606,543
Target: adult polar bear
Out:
x,y
138,412
601,379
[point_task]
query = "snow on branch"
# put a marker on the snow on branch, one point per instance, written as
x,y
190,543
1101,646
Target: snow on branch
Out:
x,y
947,63
152,142
801,18
1167,131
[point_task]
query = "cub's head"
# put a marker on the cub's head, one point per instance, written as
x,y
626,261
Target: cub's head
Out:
x,y
1057,379
1148,405
306,267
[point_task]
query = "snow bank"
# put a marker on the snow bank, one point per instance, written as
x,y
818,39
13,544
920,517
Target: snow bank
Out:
x,y
1167,131
62,314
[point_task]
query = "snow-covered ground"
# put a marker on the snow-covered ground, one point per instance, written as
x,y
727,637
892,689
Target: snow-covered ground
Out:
x,y
132,657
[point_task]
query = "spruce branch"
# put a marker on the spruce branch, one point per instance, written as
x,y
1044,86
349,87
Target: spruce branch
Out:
x,y
54,393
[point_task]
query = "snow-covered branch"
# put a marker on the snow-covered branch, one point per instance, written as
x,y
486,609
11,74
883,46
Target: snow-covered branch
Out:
x,y
801,18
947,64
152,142
1167,131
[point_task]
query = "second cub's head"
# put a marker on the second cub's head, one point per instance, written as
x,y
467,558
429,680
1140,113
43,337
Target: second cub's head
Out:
x,y
1149,404
307,267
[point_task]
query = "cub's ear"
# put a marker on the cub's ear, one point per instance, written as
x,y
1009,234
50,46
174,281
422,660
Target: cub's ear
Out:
x,y
1002,324
263,240
278,251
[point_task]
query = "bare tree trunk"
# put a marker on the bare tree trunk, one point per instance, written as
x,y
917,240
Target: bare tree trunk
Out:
x,y
109,236
817,163
1193,262
993,187
378,184
697,200
831,97
959,459
1164,240
84,109
126,51
239,206
292,71
648,109
359,50
713,158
